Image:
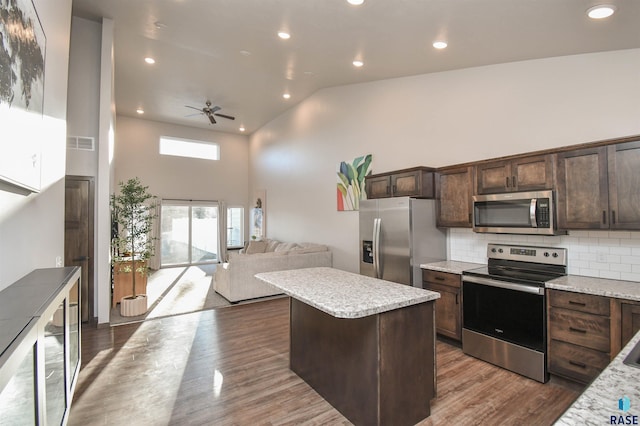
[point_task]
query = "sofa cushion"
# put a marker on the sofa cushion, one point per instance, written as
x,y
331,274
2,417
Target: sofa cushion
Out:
x,y
309,248
271,245
286,247
256,247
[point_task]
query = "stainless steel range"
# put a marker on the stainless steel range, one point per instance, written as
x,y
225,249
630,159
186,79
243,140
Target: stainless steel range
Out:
x,y
504,307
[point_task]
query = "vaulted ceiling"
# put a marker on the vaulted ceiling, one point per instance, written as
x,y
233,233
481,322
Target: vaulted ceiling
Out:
x,y
229,51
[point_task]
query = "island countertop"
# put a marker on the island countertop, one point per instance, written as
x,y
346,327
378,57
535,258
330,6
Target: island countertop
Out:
x,y
344,294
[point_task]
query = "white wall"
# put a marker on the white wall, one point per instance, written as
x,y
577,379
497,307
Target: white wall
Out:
x,y
433,120
137,154
32,227
84,93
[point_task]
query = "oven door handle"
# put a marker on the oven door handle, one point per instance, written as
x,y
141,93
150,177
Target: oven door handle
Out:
x,y
503,284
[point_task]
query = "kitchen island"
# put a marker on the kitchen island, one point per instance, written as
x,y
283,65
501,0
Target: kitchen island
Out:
x,y
366,345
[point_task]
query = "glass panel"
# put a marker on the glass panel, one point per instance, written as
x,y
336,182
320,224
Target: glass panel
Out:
x,y
55,387
74,328
175,235
18,398
235,221
204,234
504,214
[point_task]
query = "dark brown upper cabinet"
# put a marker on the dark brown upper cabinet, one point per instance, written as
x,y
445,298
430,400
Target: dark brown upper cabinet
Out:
x,y
598,187
454,190
623,162
520,174
414,182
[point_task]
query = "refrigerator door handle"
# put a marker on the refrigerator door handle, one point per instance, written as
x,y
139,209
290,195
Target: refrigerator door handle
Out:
x,y
376,246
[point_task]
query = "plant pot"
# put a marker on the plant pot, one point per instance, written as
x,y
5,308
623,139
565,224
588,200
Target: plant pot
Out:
x,y
133,307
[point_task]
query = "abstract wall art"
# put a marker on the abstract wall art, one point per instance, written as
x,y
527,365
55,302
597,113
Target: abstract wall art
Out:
x,y
22,55
351,189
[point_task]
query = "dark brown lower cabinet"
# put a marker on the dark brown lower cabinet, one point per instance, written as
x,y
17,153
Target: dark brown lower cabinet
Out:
x,y
630,320
449,306
579,334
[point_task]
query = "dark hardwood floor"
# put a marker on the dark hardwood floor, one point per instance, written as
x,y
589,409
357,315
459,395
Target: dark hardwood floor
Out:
x,y
229,366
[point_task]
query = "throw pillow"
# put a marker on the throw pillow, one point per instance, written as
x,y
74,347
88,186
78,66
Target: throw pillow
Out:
x,y
271,245
256,247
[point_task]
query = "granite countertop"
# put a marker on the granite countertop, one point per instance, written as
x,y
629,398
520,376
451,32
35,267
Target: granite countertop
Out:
x,y
599,402
451,266
629,290
344,294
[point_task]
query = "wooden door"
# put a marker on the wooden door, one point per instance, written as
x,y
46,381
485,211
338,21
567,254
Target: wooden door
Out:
x,y
624,185
378,187
454,189
78,236
532,173
630,321
583,193
494,177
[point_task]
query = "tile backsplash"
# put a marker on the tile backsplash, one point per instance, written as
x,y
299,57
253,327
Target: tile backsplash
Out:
x,y
603,254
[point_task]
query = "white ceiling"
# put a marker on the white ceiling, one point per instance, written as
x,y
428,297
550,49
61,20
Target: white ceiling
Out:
x,y
201,47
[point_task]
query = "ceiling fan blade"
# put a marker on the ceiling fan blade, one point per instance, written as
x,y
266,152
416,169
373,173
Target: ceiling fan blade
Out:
x,y
215,108
225,116
197,109
193,115
211,119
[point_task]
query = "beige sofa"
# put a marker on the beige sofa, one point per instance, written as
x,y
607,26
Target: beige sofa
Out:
x,y
235,280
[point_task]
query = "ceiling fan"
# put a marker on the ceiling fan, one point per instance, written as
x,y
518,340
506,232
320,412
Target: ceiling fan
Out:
x,y
210,111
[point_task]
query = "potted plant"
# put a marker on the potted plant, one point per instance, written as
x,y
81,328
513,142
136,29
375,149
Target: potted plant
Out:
x,y
132,244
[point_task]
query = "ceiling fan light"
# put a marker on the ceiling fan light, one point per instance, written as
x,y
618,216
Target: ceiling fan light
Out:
x,y
601,11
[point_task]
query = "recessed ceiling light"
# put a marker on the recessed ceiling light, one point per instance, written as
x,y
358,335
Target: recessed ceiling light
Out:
x,y
286,95
284,35
355,2
245,53
601,11
439,44
140,111
242,129
357,63
150,60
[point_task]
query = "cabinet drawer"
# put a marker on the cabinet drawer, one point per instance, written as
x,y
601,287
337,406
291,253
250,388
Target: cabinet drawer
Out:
x,y
444,278
580,302
576,362
591,331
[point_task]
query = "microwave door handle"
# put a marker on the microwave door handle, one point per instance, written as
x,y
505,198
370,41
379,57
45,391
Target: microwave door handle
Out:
x,y
532,212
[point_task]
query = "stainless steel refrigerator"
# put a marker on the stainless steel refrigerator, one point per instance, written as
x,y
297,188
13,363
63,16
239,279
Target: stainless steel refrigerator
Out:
x,y
397,235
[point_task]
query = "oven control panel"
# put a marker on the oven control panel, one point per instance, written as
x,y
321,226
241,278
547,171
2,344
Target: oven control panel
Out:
x,y
548,255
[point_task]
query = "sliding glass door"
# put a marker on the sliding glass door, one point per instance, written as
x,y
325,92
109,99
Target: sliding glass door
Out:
x,y
189,232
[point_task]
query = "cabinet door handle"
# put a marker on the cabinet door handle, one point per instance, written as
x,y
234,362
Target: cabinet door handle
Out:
x,y
507,183
457,301
513,181
469,217
577,330
439,278
613,217
571,302
395,189
578,364
604,217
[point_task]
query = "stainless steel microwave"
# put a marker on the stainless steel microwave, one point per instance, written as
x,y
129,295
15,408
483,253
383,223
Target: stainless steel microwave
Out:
x,y
515,213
